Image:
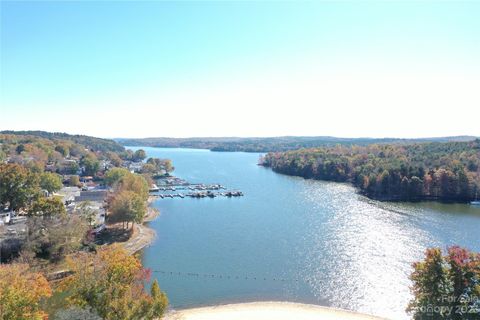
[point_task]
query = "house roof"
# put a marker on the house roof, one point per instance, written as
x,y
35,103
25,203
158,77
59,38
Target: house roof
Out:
x,y
94,195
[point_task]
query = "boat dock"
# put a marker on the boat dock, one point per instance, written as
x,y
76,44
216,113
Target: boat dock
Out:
x,y
207,194
168,187
190,186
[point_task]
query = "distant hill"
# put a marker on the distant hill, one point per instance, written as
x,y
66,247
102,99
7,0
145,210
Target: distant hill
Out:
x,y
272,144
93,143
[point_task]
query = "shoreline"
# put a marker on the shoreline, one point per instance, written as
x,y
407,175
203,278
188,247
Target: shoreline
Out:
x,y
143,235
390,198
267,310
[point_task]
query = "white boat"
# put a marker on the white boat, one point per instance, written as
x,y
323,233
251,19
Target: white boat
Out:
x,y
475,202
154,188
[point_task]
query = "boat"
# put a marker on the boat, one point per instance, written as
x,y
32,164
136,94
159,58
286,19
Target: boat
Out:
x,y
210,194
475,202
154,188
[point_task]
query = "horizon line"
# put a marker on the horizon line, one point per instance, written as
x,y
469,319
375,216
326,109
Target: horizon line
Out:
x,y
7,131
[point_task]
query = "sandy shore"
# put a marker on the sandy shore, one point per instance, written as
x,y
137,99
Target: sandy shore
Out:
x,y
266,311
142,235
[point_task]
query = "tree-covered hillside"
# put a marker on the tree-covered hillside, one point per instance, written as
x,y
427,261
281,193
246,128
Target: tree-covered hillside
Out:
x,y
272,144
59,152
423,171
92,143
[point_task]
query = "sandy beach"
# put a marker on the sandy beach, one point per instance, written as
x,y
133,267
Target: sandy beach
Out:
x,y
266,310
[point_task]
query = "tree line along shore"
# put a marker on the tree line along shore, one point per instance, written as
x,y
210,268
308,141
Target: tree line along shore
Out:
x,y
395,172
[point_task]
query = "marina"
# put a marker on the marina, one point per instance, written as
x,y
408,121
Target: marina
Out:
x,y
166,186
203,194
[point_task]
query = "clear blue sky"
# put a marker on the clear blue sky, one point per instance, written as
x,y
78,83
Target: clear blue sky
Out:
x,y
241,68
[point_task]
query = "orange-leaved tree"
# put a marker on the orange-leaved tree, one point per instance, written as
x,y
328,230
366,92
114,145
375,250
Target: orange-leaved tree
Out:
x,y
446,286
112,283
21,292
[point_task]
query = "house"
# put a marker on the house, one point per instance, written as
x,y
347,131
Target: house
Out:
x,y
133,167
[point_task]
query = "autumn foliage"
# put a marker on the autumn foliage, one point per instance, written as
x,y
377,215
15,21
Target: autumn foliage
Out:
x,y
21,293
128,201
423,171
109,284
446,286
112,283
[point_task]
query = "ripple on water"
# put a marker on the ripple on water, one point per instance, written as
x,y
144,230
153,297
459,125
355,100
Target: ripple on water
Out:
x,y
361,253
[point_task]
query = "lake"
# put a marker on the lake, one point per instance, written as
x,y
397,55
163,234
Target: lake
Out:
x,y
291,239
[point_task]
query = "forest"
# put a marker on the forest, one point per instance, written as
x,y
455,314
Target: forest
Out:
x,y
397,172
272,144
93,143
60,152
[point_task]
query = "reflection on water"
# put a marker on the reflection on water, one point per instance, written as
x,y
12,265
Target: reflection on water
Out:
x,y
293,239
369,247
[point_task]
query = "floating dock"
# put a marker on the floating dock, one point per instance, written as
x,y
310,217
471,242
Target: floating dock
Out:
x,y
168,188
202,194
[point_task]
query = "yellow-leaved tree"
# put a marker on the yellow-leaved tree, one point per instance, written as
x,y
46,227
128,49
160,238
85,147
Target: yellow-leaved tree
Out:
x,y
21,293
112,283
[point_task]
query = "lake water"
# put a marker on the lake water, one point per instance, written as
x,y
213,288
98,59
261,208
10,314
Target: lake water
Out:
x,y
291,239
